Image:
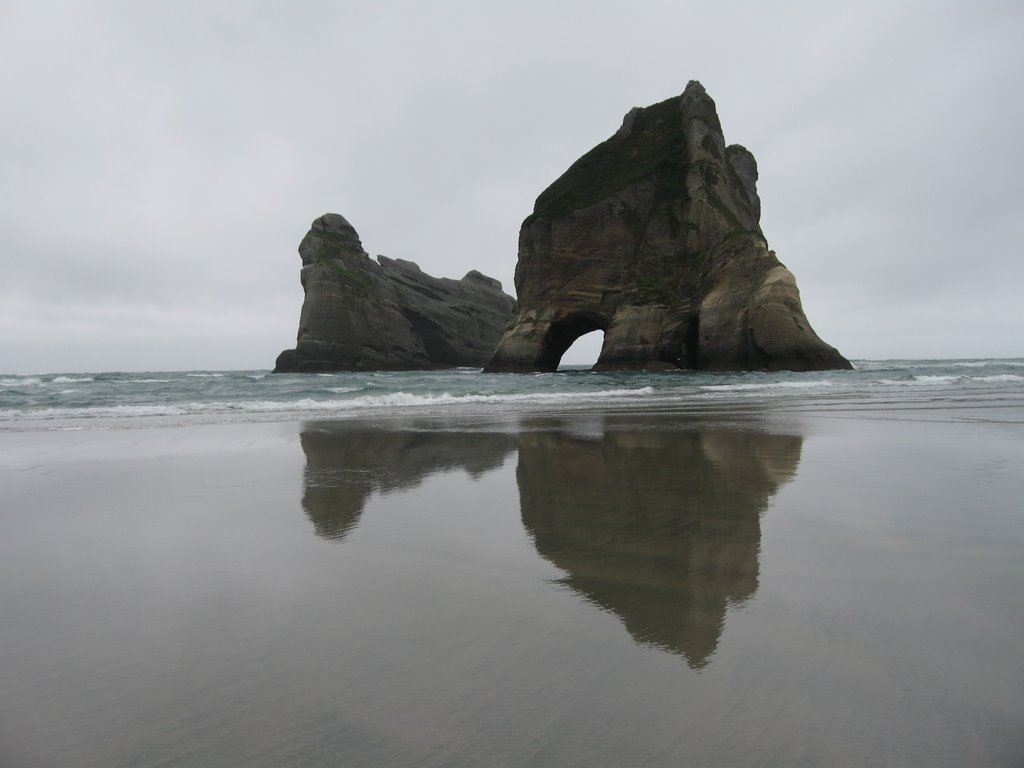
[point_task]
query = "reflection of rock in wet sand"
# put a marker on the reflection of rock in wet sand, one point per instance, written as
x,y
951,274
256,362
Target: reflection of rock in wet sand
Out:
x,y
660,528
347,462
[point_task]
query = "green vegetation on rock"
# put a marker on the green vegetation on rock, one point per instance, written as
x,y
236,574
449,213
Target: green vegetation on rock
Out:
x,y
658,288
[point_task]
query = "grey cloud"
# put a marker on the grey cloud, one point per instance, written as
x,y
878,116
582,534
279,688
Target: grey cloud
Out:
x,y
162,161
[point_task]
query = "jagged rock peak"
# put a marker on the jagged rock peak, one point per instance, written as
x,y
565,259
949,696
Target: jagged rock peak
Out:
x,y
336,224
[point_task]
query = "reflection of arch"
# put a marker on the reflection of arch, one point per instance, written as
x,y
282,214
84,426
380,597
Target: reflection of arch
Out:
x,y
347,461
660,528
560,336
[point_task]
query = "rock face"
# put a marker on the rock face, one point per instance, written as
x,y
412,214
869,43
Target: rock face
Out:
x,y
360,315
654,238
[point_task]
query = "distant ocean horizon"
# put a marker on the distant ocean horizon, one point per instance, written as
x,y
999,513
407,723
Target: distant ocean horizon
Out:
x,y
84,400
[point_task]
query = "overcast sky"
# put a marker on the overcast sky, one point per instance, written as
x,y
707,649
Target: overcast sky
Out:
x,y
162,160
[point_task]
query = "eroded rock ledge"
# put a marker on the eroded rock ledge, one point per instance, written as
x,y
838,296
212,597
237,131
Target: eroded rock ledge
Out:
x,y
654,237
359,314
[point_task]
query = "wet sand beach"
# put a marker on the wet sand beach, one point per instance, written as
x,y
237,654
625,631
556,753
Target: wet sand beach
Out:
x,y
602,587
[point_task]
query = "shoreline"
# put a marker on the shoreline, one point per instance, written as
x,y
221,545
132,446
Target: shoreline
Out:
x,y
126,400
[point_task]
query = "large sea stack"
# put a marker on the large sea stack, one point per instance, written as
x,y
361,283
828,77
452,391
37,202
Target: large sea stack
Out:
x,y
364,315
654,237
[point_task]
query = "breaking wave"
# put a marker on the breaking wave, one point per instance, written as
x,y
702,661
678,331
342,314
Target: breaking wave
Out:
x,y
763,386
313,405
942,380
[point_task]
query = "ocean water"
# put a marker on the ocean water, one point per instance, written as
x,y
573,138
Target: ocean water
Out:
x,y
86,400
571,570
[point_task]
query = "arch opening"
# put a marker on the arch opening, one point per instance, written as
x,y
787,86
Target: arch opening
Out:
x,y
560,337
583,352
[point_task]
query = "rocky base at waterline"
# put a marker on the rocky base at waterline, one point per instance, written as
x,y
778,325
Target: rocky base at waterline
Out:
x,y
654,237
360,315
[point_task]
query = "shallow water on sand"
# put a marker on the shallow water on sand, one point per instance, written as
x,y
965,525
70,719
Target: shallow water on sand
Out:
x,y
599,588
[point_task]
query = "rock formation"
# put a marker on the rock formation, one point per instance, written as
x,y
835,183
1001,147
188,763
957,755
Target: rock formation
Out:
x,y
359,314
654,238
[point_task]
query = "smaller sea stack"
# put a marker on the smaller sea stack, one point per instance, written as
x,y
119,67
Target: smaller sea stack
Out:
x,y
364,315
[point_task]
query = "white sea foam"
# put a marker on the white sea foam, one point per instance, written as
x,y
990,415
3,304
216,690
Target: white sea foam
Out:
x,y
936,380
21,382
305,405
987,363
71,380
1003,378
150,381
110,411
405,400
922,381
206,375
803,385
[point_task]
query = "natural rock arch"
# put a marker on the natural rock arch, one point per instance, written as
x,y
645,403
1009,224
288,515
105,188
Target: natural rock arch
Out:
x,y
654,237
